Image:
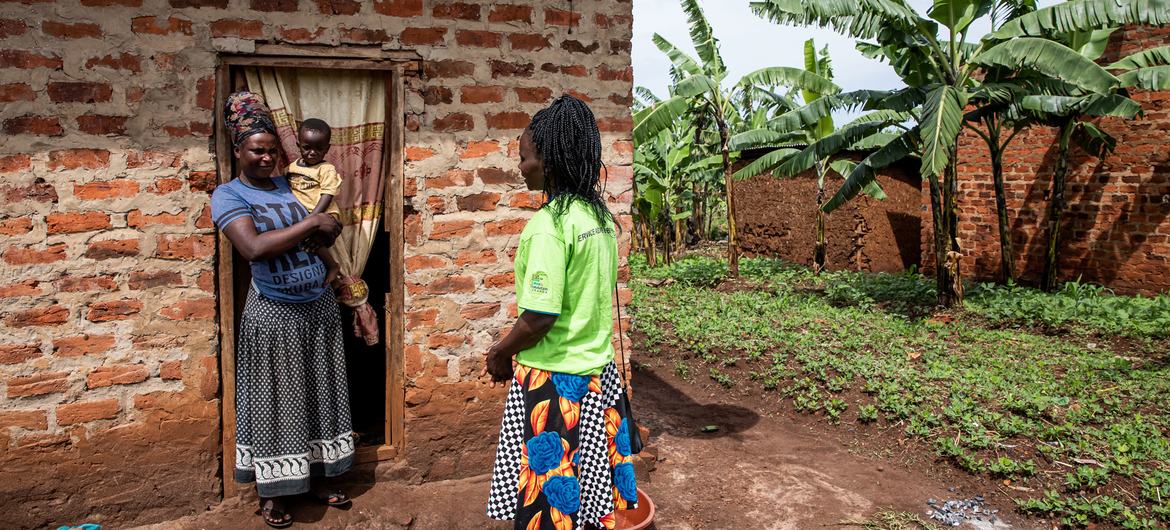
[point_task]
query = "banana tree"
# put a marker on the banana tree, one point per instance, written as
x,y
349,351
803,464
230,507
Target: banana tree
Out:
x,y
656,172
663,172
1068,106
939,71
1065,113
700,93
763,135
997,118
1145,70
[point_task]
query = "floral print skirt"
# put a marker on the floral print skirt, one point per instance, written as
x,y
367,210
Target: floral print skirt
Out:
x,y
564,459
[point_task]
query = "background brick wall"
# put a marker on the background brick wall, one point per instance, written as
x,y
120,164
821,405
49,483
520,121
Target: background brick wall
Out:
x,y
777,217
108,359
1117,225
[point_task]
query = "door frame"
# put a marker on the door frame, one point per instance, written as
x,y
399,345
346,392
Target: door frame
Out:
x,y
396,65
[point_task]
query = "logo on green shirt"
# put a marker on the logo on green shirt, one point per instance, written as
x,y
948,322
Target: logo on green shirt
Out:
x,y
539,279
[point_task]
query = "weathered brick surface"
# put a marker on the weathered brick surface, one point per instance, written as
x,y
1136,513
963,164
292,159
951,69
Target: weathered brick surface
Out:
x,y
1117,223
108,305
864,234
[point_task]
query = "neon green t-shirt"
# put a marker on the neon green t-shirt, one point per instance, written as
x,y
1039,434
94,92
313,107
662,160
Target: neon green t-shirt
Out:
x,y
568,268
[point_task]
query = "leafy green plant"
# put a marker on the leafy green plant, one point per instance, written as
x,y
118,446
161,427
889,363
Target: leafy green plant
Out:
x,y
1075,304
973,390
1007,467
1086,478
723,379
834,407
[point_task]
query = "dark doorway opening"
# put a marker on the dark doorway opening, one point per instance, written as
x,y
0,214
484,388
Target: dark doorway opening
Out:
x,y
366,365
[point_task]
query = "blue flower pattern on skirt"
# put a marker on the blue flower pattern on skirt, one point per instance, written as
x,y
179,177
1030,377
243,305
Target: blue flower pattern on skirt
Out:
x,y
571,387
545,452
622,438
563,493
623,478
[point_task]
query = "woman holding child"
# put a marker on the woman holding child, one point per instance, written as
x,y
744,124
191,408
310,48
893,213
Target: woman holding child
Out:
x,y
292,403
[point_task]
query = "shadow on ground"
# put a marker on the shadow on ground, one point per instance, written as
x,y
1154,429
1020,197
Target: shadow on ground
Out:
x,y
674,412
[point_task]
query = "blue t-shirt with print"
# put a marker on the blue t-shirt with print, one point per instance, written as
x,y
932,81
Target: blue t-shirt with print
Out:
x,y
295,276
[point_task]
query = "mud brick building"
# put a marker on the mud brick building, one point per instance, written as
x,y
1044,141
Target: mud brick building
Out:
x,y
117,296
777,218
1116,229
1117,225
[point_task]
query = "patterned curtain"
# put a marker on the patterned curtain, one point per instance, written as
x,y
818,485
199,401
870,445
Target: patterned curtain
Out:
x,y
353,103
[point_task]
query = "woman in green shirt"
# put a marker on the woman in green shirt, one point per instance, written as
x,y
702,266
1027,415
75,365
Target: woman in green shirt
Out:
x,y
564,458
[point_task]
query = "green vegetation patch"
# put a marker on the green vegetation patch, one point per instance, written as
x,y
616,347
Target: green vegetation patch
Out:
x,y
1021,385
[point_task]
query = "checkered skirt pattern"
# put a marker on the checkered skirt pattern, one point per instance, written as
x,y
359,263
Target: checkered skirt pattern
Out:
x,y
588,441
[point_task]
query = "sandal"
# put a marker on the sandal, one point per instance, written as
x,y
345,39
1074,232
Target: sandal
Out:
x,y
335,499
274,514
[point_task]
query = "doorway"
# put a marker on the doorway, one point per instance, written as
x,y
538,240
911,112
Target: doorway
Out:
x,y
374,371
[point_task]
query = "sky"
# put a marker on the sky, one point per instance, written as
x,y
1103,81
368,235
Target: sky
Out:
x,y
747,43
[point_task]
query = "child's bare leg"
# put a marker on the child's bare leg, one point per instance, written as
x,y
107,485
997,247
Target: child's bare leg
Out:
x,y
332,269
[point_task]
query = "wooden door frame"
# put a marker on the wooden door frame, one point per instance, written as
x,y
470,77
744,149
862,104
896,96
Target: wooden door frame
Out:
x,y
396,64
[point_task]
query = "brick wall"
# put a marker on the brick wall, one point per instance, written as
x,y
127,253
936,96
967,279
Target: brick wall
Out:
x,y
1117,225
108,360
777,217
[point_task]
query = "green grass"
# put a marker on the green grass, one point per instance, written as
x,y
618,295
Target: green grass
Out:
x,y
1077,307
1020,381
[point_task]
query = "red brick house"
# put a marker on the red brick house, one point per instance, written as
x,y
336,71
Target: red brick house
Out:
x,y
117,298
1117,225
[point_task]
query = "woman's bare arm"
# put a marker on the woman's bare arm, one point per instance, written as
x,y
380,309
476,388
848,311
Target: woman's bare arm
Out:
x,y
530,328
255,246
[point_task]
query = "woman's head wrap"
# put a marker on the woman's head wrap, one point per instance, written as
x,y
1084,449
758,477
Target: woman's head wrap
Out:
x,y
246,114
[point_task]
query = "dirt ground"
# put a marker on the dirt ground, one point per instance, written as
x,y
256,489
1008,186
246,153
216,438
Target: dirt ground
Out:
x,y
784,471
776,472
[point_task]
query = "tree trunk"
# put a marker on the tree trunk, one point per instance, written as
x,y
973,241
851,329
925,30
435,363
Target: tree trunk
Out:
x,y
700,219
667,250
1056,208
707,211
946,246
1007,255
732,248
941,273
697,210
653,246
953,294
819,250
648,244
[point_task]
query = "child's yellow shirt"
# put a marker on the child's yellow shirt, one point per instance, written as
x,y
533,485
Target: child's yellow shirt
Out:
x,y
309,183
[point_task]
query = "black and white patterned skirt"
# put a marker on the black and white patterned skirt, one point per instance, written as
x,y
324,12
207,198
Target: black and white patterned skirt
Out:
x,y
564,458
292,400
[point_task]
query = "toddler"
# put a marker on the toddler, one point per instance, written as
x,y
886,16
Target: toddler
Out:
x,y
314,181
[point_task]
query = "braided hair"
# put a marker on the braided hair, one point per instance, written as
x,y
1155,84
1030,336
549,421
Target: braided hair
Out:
x,y
566,137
